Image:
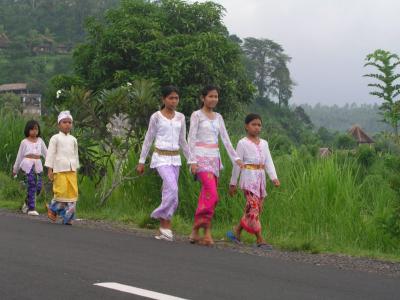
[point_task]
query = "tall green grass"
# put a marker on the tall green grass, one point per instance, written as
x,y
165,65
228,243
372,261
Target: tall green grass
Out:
x,y
323,205
11,134
334,204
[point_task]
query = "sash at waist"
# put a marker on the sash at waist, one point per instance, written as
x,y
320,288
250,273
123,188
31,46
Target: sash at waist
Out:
x,y
254,167
204,145
32,156
167,152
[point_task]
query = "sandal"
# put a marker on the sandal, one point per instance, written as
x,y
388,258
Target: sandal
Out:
x,y
51,214
264,246
194,240
232,237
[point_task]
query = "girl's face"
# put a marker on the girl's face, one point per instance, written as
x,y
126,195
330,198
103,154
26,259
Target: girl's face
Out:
x,y
171,101
211,99
34,131
254,127
65,125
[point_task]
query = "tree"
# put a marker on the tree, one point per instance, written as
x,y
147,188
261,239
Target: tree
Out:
x,y
108,124
10,103
345,141
388,86
169,42
268,63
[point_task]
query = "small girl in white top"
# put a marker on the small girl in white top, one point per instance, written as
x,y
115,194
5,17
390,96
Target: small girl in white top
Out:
x,y
167,129
257,159
28,160
206,126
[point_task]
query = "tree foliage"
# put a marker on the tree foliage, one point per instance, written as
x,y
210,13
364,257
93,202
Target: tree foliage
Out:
x,y
169,42
109,124
387,86
63,18
32,23
268,64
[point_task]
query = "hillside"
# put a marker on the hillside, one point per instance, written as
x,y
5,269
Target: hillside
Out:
x,y
37,37
341,118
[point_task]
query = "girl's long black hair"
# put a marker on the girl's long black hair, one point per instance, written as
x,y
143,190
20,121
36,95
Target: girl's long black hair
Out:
x,y
167,90
30,125
206,90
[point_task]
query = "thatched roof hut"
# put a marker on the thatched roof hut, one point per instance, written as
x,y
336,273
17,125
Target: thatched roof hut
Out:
x,y
360,136
324,152
16,88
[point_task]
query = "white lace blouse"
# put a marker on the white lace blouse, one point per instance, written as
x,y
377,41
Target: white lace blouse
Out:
x,y
253,180
203,142
24,163
169,134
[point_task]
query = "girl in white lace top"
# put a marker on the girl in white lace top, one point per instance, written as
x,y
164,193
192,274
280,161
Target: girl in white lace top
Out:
x,y
206,126
167,130
257,160
31,149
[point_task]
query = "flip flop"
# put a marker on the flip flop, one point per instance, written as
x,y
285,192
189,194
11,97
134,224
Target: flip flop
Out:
x,y
232,237
264,246
51,214
193,240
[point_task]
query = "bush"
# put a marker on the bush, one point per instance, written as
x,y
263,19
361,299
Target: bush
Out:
x,y
10,190
345,141
366,155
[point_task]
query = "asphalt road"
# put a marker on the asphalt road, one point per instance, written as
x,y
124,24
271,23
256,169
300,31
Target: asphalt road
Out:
x,y
39,260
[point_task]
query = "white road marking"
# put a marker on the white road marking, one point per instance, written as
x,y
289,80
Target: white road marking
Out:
x,y
137,291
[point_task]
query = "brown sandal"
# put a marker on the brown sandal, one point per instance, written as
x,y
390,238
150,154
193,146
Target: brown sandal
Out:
x,y
51,214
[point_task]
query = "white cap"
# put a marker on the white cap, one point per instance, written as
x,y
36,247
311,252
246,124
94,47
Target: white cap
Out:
x,y
64,115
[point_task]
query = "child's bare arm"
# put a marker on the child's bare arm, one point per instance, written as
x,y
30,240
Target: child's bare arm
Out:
x,y
50,174
276,182
232,190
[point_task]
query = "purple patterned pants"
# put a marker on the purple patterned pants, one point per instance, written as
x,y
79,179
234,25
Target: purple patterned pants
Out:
x,y
33,182
169,200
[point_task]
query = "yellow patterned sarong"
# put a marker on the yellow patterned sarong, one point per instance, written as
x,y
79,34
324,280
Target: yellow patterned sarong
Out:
x,y
65,186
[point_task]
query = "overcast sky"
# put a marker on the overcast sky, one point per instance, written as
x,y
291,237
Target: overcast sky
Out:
x,y
327,40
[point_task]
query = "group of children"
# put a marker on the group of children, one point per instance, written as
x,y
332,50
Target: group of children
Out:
x,y
167,131
62,162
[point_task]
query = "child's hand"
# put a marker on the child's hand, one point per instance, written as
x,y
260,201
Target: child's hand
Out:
x,y
276,182
14,174
232,190
240,163
193,168
50,174
140,169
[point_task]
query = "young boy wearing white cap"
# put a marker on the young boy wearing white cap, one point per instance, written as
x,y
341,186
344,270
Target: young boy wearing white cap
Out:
x,y
62,161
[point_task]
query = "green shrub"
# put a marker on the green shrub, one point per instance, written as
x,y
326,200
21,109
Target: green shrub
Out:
x,y
10,189
366,155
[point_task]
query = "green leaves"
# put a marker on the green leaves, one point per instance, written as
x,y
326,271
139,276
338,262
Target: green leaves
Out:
x,y
389,88
267,64
169,42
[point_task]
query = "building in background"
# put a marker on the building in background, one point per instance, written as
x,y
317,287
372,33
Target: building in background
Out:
x,y
31,104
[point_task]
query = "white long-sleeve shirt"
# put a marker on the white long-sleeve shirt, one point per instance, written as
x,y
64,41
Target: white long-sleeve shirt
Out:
x,y
203,142
256,154
26,148
62,155
167,134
